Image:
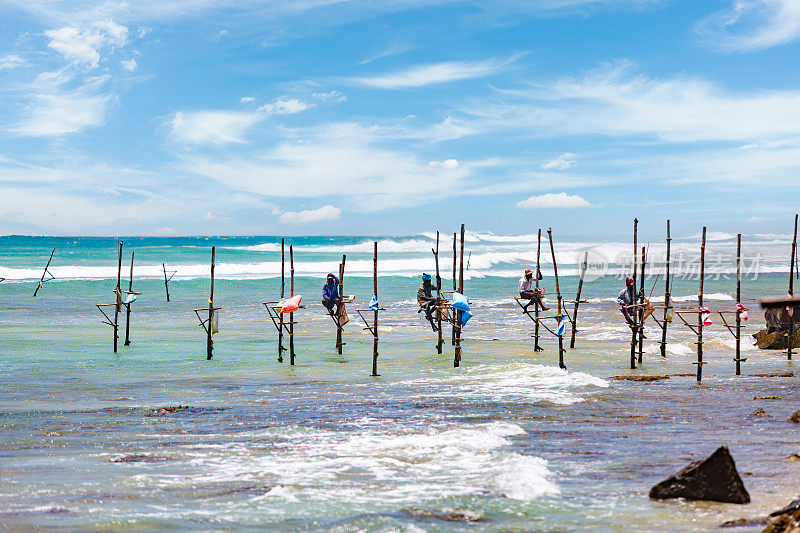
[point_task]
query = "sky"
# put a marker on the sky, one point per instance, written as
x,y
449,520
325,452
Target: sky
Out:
x,y
396,117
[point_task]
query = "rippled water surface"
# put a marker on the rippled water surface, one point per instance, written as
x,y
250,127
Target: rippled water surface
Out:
x,y
158,437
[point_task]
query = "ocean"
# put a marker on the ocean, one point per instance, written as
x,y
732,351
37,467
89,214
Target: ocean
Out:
x,y
157,437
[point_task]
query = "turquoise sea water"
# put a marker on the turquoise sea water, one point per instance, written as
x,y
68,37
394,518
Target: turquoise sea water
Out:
x,y
156,436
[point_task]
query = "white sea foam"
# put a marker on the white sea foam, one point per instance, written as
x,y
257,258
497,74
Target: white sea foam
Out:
x,y
406,465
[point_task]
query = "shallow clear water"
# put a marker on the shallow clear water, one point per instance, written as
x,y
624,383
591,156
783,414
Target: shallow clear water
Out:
x,y
158,437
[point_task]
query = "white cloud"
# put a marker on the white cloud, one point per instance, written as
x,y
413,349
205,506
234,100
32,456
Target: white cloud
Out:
x,y
752,24
226,127
129,65
83,47
422,75
615,102
448,164
11,61
562,162
58,114
335,160
212,127
246,99
284,106
331,96
325,213
560,200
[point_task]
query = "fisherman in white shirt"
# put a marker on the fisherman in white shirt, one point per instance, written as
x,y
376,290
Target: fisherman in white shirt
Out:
x,y
528,292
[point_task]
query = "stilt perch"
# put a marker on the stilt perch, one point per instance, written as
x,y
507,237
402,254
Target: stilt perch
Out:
x,y
117,301
374,306
632,314
277,309
167,278
560,317
536,347
291,314
667,298
578,300
128,299
459,315
700,313
740,312
340,318
211,323
46,273
792,337
640,310
439,306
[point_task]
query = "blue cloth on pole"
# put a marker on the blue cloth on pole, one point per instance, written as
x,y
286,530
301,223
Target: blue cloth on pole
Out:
x,y
460,302
465,316
562,325
373,303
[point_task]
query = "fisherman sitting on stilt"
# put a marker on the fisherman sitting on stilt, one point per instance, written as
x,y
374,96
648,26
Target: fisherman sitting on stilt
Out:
x,y
627,301
330,295
426,300
528,292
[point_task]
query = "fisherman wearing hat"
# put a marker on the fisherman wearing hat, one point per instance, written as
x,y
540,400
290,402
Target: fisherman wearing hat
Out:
x,y
528,292
627,301
426,300
330,294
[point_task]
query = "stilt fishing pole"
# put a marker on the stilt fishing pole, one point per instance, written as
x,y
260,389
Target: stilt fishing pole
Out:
x,y
46,272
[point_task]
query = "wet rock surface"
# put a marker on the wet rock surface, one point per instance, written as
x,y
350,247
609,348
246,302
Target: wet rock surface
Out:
x,y
712,479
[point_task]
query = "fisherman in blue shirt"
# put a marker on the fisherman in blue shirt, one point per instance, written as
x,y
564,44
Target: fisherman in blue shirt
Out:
x,y
330,295
427,300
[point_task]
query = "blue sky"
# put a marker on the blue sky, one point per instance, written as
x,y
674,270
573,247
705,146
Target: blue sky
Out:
x,y
178,117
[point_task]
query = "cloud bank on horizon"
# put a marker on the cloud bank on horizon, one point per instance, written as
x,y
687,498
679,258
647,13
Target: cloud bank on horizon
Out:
x,y
265,117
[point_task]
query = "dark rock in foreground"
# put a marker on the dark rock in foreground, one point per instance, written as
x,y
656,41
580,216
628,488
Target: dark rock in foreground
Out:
x,y
745,522
785,523
792,507
713,479
775,336
795,418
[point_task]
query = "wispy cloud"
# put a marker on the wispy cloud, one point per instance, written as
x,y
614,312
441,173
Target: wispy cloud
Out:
x,y
422,75
326,213
83,46
560,200
562,162
224,126
11,61
752,25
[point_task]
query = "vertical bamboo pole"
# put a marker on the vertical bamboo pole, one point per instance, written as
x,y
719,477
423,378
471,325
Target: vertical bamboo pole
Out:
x,y
578,300
117,294
667,299
375,312
559,315
738,301
459,314
209,340
283,293
792,337
291,315
128,308
536,347
339,342
455,288
700,304
440,340
41,281
632,311
641,307
166,282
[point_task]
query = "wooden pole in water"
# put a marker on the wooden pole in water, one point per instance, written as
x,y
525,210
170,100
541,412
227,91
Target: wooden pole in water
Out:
x,y
559,315
700,304
632,311
375,312
128,308
641,307
117,295
41,281
209,340
166,281
792,337
667,299
459,314
283,293
455,288
339,342
291,315
578,300
440,340
536,347
738,301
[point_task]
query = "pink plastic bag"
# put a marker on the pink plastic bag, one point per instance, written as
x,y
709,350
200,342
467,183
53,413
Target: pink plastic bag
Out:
x,y
705,315
290,305
742,312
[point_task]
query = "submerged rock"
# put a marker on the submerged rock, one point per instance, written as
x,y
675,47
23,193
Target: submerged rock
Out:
x,y
788,522
745,522
775,336
794,506
758,413
795,418
793,458
714,479
639,378
448,515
